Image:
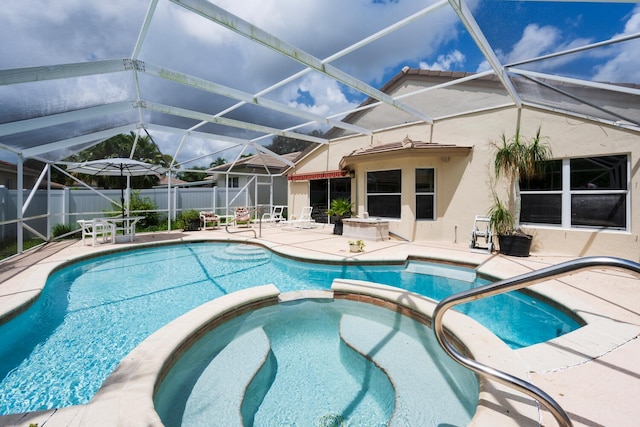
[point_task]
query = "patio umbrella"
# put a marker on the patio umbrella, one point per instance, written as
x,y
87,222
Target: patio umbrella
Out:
x,y
116,167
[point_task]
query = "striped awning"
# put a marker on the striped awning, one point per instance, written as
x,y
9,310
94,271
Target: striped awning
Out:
x,y
317,175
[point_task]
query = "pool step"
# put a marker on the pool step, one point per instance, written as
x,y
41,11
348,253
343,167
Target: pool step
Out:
x,y
245,253
217,396
450,272
419,370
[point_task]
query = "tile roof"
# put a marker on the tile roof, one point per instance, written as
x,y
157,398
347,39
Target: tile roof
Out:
x,y
407,144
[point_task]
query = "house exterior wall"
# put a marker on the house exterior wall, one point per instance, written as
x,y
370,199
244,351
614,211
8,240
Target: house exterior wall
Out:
x,y
465,185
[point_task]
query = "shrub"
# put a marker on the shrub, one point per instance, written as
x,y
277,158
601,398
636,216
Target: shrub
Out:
x,y
61,229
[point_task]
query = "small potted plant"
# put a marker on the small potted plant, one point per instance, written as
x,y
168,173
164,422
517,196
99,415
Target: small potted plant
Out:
x,y
356,246
189,220
340,208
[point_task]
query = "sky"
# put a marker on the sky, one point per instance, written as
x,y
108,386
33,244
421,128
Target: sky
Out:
x,y
44,32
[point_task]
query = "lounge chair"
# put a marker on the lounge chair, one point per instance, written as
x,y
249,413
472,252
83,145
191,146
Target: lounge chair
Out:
x,y
242,217
208,217
304,221
275,216
94,228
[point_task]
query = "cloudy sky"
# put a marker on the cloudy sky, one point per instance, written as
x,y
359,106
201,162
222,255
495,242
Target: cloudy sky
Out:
x,y
45,32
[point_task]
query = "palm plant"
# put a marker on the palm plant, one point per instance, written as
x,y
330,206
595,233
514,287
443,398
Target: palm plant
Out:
x,y
518,159
340,208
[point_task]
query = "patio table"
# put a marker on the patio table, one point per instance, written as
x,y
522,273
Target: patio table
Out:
x,y
125,224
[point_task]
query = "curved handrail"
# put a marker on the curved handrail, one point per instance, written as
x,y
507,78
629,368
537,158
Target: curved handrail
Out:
x,y
255,235
511,284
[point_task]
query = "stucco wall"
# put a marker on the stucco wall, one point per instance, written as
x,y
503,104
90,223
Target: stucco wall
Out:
x,y
464,185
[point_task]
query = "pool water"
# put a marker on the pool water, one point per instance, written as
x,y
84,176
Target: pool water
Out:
x,y
314,378
93,313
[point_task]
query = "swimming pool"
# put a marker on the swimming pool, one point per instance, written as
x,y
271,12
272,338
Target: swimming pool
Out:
x,y
314,372
92,313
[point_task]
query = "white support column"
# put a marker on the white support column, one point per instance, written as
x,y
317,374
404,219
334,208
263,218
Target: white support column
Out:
x,y
48,166
169,201
19,200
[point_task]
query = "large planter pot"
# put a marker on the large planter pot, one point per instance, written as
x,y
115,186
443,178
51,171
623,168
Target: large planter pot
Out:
x,y
515,244
338,225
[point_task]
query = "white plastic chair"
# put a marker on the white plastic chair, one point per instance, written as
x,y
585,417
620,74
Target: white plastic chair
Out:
x,y
275,216
305,220
94,228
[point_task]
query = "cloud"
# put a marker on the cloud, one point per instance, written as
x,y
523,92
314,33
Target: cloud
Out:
x,y
616,63
537,41
318,94
41,32
445,62
624,61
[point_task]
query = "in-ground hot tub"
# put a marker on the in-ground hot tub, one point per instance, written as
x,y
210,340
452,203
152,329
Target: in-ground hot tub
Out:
x,y
317,361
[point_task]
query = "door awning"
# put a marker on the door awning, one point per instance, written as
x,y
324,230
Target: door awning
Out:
x,y
318,175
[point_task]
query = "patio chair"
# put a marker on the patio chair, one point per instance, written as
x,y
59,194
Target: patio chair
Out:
x,y
275,216
242,217
304,221
94,228
210,218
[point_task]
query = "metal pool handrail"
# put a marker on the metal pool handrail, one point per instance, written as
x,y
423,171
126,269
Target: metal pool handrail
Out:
x,y
512,284
255,235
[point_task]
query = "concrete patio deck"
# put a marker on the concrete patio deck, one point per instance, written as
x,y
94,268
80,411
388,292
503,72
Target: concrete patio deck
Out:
x,y
592,373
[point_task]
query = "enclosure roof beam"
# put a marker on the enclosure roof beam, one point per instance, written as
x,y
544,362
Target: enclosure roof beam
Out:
x,y
62,118
228,92
70,142
462,10
347,50
578,82
145,28
176,111
244,28
194,134
62,71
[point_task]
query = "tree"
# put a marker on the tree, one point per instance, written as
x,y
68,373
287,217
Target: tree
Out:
x,y
218,162
191,176
284,145
146,150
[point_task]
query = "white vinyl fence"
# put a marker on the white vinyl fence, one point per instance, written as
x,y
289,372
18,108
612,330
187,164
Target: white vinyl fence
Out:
x,y
66,206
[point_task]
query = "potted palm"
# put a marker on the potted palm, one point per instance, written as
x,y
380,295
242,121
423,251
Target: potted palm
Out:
x,y
340,208
517,158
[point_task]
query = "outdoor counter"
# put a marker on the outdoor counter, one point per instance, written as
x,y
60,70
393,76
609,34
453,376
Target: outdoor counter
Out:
x,y
366,228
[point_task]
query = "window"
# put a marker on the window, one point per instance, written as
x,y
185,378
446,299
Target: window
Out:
x,y
384,193
425,194
583,192
234,182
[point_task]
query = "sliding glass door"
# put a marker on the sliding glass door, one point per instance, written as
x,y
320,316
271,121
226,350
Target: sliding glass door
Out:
x,y
322,191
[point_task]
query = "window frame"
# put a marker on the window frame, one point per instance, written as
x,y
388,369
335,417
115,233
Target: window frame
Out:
x,y
425,193
384,194
567,194
233,182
